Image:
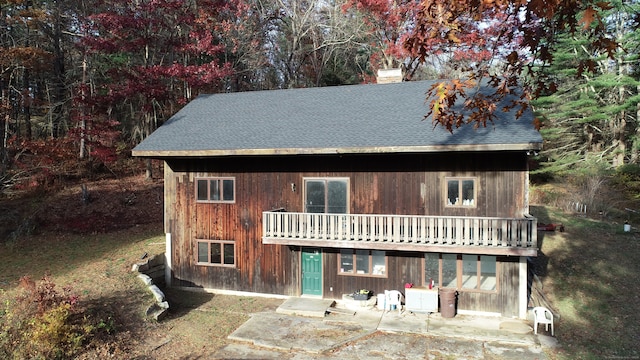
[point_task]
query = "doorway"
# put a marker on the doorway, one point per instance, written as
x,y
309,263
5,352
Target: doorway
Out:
x,y
312,271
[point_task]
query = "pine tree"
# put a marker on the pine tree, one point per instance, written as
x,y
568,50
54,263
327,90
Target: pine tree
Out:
x,y
593,115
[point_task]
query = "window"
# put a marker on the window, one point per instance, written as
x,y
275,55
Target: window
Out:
x,y
362,262
219,190
326,195
449,270
216,252
461,192
466,272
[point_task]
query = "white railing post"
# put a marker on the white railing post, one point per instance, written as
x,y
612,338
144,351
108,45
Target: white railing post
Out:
x,y
505,239
265,224
356,234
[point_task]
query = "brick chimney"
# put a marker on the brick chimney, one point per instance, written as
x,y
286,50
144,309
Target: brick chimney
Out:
x,y
386,76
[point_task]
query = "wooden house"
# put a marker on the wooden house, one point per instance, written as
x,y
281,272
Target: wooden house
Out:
x,y
324,191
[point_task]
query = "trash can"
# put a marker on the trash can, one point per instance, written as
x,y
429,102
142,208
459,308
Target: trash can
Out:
x,y
447,303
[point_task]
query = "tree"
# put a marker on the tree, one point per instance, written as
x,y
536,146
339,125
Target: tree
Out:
x,y
388,23
538,23
154,56
27,100
311,43
594,115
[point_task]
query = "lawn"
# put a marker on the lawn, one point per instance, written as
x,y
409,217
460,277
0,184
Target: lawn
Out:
x,y
590,274
97,267
91,262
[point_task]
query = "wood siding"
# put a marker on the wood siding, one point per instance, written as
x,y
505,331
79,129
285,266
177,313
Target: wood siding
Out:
x,y
410,184
406,267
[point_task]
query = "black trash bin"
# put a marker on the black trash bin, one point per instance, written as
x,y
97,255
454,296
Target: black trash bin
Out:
x,y
448,303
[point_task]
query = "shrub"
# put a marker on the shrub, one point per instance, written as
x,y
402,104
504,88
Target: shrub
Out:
x,y
42,323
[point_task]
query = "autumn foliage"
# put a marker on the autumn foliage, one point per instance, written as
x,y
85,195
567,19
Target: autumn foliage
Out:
x,y
43,322
519,43
91,80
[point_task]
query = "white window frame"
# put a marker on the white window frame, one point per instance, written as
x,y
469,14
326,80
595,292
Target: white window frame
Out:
x,y
460,278
461,203
221,180
221,244
379,271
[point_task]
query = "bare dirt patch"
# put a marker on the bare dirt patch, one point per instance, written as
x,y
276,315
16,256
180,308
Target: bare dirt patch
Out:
x,y
105,205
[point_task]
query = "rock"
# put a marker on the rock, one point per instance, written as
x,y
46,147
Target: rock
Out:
x,y
159,295
157,312
146,279
160,308
143,266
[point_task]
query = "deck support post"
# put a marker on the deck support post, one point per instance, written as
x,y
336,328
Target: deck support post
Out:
x,y
523,299
167,260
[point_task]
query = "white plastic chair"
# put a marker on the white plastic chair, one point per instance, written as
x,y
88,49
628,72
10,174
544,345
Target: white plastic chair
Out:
x,y
542,315
393,297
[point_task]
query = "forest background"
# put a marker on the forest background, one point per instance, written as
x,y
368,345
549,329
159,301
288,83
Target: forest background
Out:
x,y
82,82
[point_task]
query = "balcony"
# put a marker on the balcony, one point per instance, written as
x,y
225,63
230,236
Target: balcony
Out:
x,y
448,234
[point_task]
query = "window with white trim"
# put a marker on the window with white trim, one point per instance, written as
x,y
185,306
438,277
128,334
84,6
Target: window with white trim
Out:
x,y
461,192
327,195
462,272
216,190
216,252
362,262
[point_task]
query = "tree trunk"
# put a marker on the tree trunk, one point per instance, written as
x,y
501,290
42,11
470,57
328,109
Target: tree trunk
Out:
x,y
635,151
83,112
149,171
58,75
26,103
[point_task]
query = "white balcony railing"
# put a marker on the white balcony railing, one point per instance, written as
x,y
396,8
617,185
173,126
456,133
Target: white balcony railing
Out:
x,y
516,236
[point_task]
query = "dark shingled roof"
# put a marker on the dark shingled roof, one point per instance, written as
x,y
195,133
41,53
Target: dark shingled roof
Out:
x,y
372,118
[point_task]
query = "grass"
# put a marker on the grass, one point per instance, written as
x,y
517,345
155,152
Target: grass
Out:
x,y
97,267
590,273
88,262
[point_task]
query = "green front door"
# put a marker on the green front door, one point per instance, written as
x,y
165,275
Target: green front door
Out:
x,y
311,271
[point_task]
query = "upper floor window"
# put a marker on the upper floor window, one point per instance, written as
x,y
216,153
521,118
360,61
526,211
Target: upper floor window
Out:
x,y
461,192
327,195
217,189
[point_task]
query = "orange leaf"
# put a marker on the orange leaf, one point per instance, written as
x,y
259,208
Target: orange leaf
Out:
x,y
588,17
451,36
537,123
512,58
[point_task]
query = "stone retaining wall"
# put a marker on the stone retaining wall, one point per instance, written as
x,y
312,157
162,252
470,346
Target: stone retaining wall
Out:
x,y
151,273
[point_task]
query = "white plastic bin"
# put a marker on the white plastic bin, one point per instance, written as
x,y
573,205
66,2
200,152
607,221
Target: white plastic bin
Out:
x,y
381,301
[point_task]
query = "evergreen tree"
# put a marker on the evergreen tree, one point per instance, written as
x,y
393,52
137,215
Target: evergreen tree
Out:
x,y
593,114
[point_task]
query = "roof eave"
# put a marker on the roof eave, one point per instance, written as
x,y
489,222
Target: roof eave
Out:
x,y
336,150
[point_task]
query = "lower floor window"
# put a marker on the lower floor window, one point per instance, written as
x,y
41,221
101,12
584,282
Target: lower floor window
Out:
x,y
466,272
216,252
362,262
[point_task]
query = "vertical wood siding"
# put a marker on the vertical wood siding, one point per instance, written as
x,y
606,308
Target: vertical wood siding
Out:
x,y
409,184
